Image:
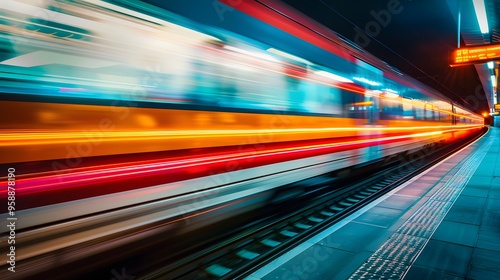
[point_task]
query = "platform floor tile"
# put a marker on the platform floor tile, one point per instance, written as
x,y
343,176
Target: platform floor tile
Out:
x,y
447,257
316,262
485,265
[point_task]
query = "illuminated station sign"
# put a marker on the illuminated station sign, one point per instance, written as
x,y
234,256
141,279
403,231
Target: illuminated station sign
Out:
x,y
476,54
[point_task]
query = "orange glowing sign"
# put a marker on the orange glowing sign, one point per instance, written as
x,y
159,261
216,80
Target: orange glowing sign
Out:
x,y
476,54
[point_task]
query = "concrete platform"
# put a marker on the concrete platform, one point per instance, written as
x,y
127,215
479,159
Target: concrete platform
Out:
x,y
442,224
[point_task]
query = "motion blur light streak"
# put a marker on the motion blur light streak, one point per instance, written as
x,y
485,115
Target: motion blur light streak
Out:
x,y
39,58
289,56
365,80
123,10
481,15
62,182
257,55
333,76
14,141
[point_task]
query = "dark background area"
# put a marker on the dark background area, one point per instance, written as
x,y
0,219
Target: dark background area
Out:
x,y
415,36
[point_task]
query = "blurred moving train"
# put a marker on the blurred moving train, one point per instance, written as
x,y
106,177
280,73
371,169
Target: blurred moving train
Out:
x,y
117,115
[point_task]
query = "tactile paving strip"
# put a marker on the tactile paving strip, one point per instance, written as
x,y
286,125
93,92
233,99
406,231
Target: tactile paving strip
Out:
x,y
395,256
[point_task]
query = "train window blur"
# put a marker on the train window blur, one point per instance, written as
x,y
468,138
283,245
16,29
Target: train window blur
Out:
x,y
407,107
390,109
419,112
173,65
429,114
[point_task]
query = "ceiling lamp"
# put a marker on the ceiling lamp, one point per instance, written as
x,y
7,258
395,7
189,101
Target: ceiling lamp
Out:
x,y
481,15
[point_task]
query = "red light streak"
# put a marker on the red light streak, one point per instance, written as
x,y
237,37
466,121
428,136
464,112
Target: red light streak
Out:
x,y
107,179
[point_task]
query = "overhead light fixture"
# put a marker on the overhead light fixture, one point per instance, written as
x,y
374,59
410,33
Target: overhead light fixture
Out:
x,y
491,65
481,15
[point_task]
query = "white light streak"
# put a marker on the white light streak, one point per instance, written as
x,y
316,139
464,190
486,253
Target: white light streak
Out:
x,y
333,76
481,15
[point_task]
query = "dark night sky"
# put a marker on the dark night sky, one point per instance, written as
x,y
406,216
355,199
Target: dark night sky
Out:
x,y
418,39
